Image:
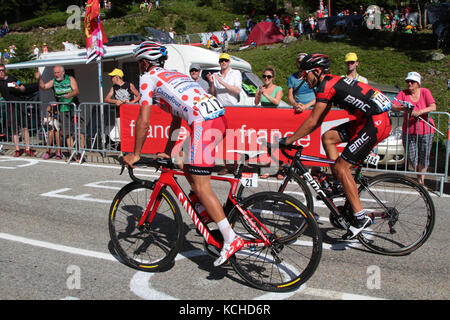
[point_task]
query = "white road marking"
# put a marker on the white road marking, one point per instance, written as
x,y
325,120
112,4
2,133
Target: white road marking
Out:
x,y
141,279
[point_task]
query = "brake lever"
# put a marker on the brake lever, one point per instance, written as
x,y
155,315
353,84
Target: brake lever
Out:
x,y
123,165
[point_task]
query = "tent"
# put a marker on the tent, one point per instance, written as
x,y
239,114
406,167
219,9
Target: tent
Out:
x,y
265,33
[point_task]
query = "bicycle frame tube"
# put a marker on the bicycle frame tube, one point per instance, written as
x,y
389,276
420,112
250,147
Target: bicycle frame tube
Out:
x,y
313,183
167,179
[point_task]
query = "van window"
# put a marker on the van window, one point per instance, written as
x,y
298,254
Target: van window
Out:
x,y
250,83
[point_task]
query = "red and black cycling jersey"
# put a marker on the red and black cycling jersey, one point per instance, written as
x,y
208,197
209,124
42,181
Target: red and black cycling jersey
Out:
x,y
352,95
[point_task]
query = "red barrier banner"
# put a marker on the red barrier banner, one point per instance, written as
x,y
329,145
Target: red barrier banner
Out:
x,y
248,127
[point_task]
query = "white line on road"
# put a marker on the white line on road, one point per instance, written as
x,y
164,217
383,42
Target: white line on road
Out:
x,y
322,293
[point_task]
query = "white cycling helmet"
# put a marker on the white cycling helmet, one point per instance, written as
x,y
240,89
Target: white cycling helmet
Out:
x,y
152,51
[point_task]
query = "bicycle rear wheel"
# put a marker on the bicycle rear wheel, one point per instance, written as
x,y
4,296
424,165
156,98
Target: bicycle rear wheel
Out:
x,y
295,187
153,246
403,214
292,257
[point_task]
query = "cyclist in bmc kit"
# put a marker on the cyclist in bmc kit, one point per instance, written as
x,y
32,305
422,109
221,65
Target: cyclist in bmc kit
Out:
x,y
372,125
178,94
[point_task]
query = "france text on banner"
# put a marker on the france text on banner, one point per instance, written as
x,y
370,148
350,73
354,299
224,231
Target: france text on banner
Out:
x,y
247,129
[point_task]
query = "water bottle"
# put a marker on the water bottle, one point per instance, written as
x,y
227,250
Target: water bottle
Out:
x,y
322,178
199,208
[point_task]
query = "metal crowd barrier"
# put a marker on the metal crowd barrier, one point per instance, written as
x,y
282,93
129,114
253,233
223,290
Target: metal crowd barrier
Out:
x,y
32,124
96,128
101,127
394,156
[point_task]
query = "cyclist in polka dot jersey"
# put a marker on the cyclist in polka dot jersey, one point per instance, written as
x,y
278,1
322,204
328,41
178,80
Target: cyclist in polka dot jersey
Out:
x,y
185,99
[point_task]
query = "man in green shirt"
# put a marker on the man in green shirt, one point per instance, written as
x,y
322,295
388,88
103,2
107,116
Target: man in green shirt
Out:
x,y
65,89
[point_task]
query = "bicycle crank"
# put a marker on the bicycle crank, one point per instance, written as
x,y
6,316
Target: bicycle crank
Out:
x,y
275,249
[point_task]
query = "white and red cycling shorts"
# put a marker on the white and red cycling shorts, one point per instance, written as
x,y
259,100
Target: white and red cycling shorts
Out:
x,y
205,136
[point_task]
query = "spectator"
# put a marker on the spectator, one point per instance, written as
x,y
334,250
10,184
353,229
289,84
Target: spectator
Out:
x,y
45,48
248,25
351,61
277,21
5,55
35,51
237,29
417,134
66,90
156,4
172,33
300,96
287,25
225,29
149,6
11,90
298,24
53,128
195,73
121,91
269,94
142,6
225,85
312,25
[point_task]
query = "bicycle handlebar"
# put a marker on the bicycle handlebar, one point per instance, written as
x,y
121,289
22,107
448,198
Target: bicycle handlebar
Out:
x,y
283,149
150,162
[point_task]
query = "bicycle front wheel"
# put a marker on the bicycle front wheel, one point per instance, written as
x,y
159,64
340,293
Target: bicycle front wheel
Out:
x,y
403,214
154,245
292,257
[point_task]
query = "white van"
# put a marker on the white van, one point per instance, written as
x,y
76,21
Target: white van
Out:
x,y
180,58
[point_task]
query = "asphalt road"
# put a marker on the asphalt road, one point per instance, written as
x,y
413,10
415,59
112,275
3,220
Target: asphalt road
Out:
x,y
55,245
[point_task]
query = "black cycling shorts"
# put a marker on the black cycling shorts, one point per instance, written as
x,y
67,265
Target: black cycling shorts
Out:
x,y
362,135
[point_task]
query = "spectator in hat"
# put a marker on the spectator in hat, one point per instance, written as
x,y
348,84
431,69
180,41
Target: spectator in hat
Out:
x,y
417,134
226,86
351,61
196,75
122,91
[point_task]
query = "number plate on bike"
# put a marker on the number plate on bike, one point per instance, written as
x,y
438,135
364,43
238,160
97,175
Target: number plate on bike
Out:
x,y
249,180
373,158
381,101
210,108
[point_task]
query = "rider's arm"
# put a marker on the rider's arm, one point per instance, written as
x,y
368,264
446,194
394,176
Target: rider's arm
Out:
x,y
175,125
311,123
142,124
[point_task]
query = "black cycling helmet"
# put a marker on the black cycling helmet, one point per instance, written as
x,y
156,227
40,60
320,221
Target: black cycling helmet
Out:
x,y
315,61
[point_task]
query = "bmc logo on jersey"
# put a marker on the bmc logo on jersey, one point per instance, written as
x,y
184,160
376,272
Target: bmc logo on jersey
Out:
x,y
357,103
358,142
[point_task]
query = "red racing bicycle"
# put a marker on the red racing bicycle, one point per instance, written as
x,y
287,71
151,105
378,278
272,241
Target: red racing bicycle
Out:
x,y
282,247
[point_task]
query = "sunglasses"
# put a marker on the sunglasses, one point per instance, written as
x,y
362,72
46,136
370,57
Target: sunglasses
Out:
x,y
410,81
267,76
305,73
223,60
2,70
